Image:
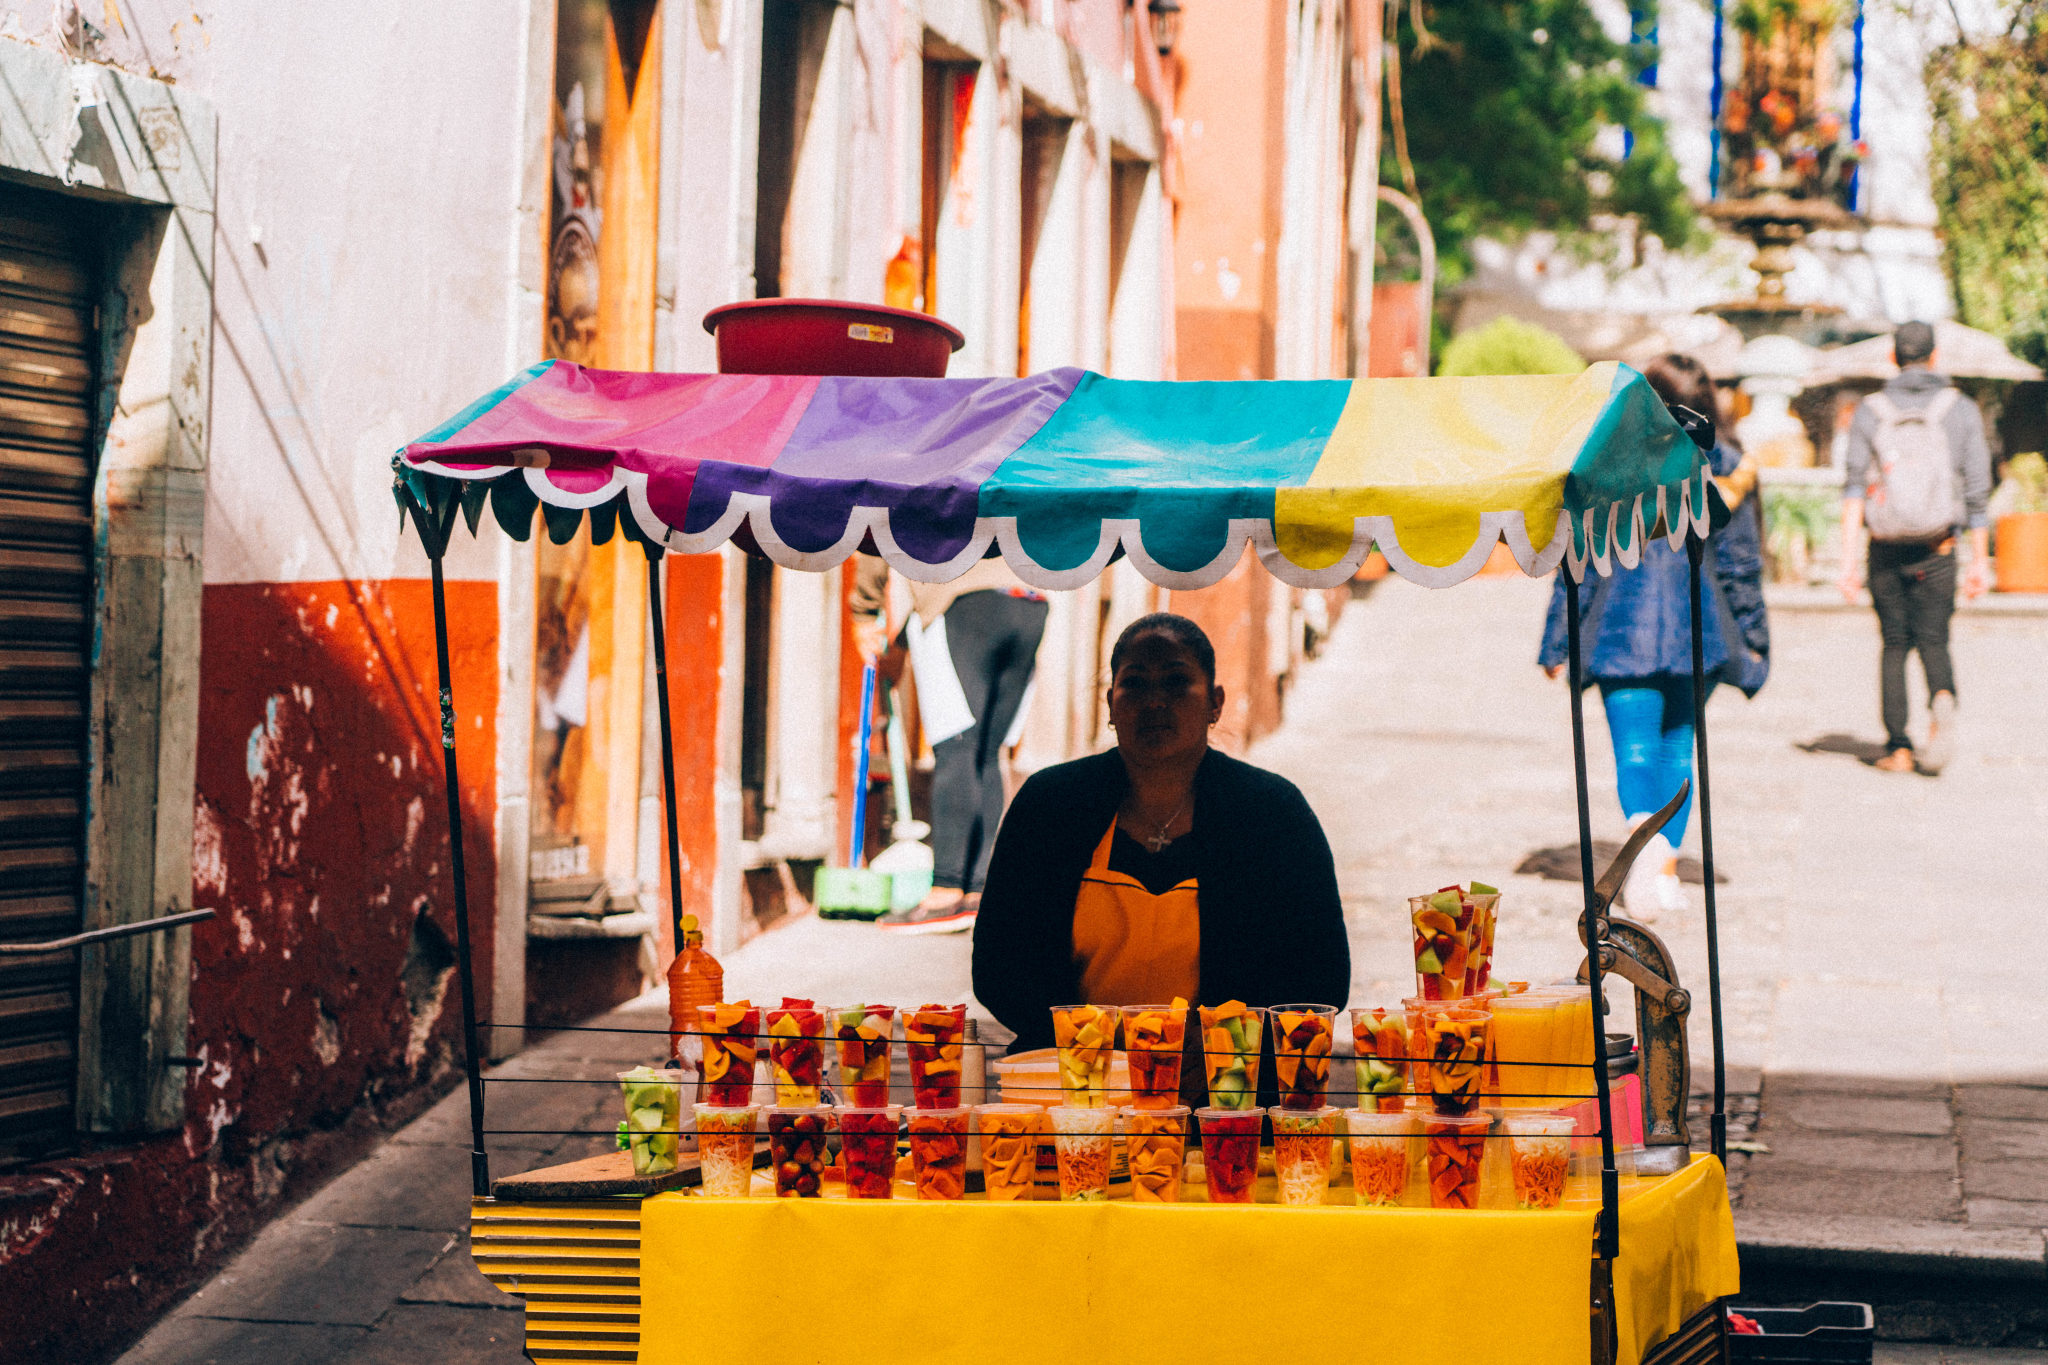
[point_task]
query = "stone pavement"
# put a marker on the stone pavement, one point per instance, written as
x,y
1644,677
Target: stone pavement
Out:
x,y
375,1268
1885,1022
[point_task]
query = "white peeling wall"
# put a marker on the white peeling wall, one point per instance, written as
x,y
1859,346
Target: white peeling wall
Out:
x,y
368,176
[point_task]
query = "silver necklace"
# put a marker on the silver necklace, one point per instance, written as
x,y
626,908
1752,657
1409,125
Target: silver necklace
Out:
x,y
1159,840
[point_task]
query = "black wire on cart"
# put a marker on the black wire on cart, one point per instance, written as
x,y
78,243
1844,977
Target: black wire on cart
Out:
x,y
1591,924
1695,551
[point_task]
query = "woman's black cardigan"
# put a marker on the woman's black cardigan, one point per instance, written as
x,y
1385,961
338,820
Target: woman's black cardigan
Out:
x,y
1272,922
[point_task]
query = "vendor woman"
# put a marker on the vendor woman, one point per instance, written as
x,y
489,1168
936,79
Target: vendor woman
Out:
x,y
1160,868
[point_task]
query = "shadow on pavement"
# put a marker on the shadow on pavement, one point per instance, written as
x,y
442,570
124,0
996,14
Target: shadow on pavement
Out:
x,y
1561,864
1862,750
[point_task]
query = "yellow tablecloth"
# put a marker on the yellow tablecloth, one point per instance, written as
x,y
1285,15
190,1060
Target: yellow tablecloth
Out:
x,y
790,1282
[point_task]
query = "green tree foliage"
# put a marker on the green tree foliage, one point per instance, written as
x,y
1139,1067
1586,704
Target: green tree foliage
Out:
x,y
1502,103
1991,178
1510,346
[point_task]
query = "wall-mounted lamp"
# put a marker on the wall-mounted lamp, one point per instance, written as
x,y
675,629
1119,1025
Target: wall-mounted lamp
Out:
x,y
1165,15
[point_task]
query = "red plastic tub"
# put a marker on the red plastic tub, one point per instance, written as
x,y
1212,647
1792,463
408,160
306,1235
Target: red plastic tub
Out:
x,y
827,336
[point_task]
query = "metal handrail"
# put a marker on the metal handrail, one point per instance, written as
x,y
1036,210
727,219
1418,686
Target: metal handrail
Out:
x,y
146,926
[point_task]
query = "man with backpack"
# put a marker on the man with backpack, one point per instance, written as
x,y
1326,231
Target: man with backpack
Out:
x,y
1918,476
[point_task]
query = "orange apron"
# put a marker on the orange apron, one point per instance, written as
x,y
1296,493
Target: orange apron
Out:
x,y
1135,948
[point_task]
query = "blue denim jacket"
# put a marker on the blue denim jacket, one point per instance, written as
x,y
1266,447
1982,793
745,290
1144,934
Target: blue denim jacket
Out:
x,y
1637,623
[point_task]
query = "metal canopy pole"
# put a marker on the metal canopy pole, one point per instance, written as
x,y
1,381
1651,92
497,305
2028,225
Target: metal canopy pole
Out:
x,y
1609,1239
434,528
655,616
1695,551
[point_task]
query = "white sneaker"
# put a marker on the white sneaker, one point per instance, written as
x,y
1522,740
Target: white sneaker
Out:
x,y
1670,894
1940,748
1640,894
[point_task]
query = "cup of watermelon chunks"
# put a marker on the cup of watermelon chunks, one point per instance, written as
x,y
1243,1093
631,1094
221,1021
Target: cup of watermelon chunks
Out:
x,y
867,1147
731,1043
933,1036
796,1146
1379,1042
1230,1152
1153,1037
1301,1053
861,1036
1231,1033
654,1107
796,1049
938,1152
1455,1151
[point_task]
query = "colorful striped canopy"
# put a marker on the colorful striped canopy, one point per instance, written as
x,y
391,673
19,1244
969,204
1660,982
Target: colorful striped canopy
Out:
x,y
1064,470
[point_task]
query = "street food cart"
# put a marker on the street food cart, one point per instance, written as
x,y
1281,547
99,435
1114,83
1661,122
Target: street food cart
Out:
x,y
1061,473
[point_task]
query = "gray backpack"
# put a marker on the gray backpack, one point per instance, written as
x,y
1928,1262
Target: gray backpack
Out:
x,y
1913,472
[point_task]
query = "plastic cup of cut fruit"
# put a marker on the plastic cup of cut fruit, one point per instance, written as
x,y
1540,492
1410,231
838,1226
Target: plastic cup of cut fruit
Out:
x,y
1454,1148
731,1044
933,1037
1382,1156
1153,1038
1230,1054
1302,1041
1302,1143
938,1152
860,1036
654,1109
796,1049
1449,1048
1084,1142
1230,1152
867,1148
1445,933
1379,1040
1539,1158
1156,1145
796,1149
1086,1036
1009,1149
725,1149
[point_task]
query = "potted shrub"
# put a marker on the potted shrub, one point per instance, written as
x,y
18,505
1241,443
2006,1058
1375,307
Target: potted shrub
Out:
x,y
2020,509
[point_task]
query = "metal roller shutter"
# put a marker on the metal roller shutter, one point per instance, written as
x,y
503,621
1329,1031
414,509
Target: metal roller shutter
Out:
x,y
47,349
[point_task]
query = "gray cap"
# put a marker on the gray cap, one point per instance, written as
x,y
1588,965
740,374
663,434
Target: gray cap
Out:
x,y
1912,343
